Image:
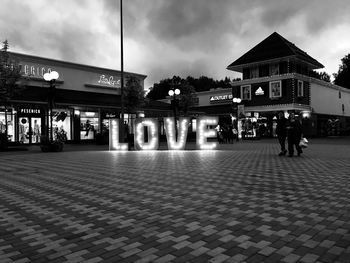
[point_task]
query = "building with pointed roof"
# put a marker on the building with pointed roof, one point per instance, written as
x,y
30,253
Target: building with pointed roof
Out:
x,y
277,77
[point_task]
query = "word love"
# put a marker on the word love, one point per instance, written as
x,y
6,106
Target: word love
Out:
x,y
203,132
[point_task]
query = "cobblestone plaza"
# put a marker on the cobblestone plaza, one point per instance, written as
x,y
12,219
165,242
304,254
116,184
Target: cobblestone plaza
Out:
x,y
241,203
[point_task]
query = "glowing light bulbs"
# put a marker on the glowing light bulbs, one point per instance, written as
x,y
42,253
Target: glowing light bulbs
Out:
x,y
203,132
114,137
180,142
152,130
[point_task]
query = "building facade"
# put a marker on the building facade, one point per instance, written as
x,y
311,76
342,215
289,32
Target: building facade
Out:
x,y
276,77
85,97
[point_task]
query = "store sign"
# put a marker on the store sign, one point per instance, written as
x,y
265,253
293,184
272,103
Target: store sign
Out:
x,y
30,111
35,70
151,124
109,80
221,98
259,91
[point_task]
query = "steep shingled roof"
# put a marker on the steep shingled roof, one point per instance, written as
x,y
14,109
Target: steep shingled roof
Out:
x,y
273,47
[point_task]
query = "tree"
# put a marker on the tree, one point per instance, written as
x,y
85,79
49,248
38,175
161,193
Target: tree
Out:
x,y
186,97
160,90
342,78
133,95
321,75
10,74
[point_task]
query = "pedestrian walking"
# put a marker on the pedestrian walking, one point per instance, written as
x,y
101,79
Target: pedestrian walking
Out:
x,y
281,131
294,134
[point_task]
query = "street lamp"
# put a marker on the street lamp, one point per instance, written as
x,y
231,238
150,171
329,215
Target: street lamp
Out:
x,y
51,78
172,93
237,101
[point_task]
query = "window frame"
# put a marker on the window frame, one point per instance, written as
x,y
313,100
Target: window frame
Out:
x,y
274,67
300,89
254,72
250,92
280,89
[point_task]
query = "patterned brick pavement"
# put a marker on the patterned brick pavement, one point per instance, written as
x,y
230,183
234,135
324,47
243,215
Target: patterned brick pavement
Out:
x,y
242,203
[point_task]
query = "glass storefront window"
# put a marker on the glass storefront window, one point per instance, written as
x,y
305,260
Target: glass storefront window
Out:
x,y
10,123
89,125
61,123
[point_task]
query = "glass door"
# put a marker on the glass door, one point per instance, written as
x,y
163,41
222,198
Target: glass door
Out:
x,y
35,127
24,130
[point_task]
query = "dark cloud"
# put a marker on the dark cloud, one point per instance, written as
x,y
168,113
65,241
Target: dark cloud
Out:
x,y
170,37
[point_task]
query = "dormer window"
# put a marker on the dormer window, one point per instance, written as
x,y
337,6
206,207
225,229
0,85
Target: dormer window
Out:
x,y
254,72
274,69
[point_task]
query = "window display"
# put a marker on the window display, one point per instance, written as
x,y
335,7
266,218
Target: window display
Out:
x,y
89,125
61,124
36,129
23,130
10,124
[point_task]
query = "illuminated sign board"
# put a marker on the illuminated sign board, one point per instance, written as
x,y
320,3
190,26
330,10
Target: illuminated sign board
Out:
x,y
109,80
37,71
205,130
30,111
169,125
221,98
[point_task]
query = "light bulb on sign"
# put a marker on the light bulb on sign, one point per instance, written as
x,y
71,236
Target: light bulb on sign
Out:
x,y
170,133
153,140
114,137
203,132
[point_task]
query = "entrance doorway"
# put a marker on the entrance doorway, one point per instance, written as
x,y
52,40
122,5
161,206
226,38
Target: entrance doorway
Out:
x,y
29,130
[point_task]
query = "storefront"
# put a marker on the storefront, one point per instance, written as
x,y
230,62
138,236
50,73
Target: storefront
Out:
x,y
85,98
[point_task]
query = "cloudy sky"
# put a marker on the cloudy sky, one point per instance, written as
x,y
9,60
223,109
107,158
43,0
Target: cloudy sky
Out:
x,y
163,38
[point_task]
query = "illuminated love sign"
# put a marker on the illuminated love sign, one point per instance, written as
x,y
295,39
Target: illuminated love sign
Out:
x,y
205,130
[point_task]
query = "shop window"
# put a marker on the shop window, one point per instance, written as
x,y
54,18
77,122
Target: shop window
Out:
x,y
61,123
300,88
246,92
274,69
89,125
275,89
10,123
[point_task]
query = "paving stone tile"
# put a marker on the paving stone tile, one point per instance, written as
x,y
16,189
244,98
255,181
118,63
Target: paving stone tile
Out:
x,y
291,258
187,206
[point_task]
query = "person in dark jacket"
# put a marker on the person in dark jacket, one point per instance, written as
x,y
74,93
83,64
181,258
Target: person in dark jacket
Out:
x,y
281,132
294,133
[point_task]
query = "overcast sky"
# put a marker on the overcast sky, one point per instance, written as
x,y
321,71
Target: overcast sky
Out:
x,y
163,38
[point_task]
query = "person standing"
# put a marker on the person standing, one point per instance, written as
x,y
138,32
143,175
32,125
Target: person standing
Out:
x,y
281,132
294,133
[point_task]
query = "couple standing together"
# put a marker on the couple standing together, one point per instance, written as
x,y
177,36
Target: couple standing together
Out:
x,y
290,129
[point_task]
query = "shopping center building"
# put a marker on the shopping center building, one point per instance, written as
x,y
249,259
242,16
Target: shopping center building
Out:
x,y
84,100
276,76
